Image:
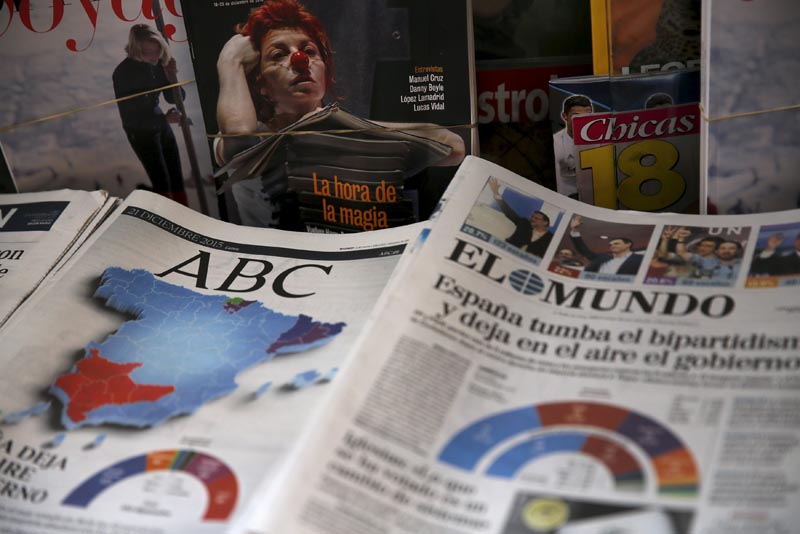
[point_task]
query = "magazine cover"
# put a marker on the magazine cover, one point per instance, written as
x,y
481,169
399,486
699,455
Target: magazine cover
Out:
x,y
391,80
638,36
629,142
521,29
64,64
514,112
170,366
751,138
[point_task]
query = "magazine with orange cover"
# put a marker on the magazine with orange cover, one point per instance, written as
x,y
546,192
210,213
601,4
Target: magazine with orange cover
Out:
x,y
640,36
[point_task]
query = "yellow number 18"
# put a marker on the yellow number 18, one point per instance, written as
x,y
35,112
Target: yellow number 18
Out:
x,y
604,177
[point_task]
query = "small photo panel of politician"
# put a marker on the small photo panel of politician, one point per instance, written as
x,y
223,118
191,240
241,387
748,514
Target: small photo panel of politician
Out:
x,y
591,249
520,224
776,261
698,256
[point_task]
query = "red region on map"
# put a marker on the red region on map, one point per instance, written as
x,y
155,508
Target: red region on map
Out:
x,y
99,382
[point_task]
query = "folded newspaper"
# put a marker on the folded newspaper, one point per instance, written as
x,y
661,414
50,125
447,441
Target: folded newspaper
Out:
x,y
37,230
162,373
637,373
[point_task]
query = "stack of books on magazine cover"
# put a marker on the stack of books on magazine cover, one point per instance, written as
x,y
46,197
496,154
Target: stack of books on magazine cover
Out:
x,y
347,173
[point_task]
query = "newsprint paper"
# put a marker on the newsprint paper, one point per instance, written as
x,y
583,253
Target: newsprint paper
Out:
x,y
632,373
36,231
156,379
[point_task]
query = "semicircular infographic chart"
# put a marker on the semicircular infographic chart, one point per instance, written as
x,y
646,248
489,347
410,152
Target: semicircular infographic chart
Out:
x,y
600,431
218,479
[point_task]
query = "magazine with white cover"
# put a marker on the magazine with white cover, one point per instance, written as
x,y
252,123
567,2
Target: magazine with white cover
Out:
x,y
65,64
166,369
636,373
749,140
36,231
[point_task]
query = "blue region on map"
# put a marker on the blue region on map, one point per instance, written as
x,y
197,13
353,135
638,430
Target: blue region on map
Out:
x,y
96,442
179,339
330,375
263,388
304,379
16,417
57,440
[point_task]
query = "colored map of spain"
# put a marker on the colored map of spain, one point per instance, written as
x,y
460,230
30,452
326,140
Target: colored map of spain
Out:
x,y
183,349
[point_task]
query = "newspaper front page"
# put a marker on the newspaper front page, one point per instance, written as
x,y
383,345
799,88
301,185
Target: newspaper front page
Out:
x,y
166,369
36,230
632,373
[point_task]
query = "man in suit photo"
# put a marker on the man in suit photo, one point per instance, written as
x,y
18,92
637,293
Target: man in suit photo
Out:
x,y
531,234
773,262
620,259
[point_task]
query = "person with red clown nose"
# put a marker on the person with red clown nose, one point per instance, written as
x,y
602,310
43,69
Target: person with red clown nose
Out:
x,y
274,71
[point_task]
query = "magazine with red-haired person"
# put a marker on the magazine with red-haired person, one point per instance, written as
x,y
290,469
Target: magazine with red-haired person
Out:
x,y
389,87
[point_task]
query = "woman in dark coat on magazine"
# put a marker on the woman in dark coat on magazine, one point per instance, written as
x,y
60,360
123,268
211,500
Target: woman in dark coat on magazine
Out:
x,y
149,66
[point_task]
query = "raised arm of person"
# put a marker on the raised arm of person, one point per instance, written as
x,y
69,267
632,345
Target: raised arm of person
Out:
x,y
767,262
507,210
494,185
773,242
575,234
236,112
170,76
681,234
663,245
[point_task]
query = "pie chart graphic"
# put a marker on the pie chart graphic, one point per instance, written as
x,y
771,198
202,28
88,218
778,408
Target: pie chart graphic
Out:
x,y
606,433
218,479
